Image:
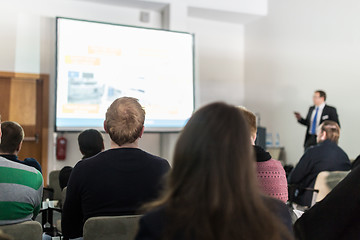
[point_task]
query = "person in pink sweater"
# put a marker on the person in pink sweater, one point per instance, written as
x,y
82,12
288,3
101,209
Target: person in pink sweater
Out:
x,y
270,173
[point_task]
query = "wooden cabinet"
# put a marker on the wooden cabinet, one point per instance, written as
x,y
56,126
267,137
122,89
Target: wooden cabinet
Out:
x,y
24,98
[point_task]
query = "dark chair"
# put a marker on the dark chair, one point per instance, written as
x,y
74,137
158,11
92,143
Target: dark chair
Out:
x,y
55,185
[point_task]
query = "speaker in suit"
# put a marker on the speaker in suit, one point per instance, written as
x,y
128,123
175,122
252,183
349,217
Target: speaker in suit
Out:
x,y
328,113
319,112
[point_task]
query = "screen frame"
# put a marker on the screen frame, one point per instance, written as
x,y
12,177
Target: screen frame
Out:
x,y
147,129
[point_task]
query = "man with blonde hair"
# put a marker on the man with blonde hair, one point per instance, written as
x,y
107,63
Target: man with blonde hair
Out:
x,y
326,156
270,173
116,181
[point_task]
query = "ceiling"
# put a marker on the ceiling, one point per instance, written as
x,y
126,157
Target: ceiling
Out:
x,y
159,5
146,5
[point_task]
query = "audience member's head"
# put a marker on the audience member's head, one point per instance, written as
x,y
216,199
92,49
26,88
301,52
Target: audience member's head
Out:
x,y
12,137
328,130
64,176
90,142
212,191
251,121
319,97
125,121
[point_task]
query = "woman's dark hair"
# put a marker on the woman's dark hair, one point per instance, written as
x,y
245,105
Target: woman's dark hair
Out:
x,y
64,176
212,190
90,142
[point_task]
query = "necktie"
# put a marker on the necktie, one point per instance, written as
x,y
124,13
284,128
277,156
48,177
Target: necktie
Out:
x,y
313,126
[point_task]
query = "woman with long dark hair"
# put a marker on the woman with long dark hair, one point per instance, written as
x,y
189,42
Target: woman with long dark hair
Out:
x,y
212,191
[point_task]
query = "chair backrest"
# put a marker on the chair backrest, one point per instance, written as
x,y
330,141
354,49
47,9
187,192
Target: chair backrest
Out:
x,y
326,181
54,184
29,230
111,228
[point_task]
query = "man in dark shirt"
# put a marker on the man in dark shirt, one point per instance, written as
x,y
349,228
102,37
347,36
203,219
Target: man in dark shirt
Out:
x,y
326,156
117,181
11,142
91,142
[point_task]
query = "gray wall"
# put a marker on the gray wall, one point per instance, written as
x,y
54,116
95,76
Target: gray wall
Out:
x,y
301,46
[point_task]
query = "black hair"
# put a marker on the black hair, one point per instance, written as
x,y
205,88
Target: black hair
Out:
x,y
321,93
90,142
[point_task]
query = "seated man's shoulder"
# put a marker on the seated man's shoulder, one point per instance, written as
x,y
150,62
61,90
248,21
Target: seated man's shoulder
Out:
x,y
84,164
21,173
328,147
15,165
315,149
156,159
152,161
114,155
32,162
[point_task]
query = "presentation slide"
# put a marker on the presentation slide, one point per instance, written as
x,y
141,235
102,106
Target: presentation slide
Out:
x,y
99,62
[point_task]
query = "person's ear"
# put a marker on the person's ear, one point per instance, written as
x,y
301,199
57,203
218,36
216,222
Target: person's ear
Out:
x,y
253,139
105,127
19,147
323,136
142,131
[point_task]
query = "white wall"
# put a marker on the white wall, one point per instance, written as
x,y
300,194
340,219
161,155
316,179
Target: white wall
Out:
x,y
220,51
299,47
258,7
28,45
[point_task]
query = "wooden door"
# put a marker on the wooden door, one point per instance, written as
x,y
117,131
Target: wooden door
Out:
x,y
24,99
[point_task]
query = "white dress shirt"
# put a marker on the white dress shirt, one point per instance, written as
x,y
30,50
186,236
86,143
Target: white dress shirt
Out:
x,y
318,117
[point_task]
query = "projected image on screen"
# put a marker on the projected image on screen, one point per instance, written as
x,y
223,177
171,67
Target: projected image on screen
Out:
x,y
99,62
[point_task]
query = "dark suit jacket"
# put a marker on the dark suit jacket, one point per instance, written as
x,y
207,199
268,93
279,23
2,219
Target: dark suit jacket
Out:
x,y
328,113
336,217
326,156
